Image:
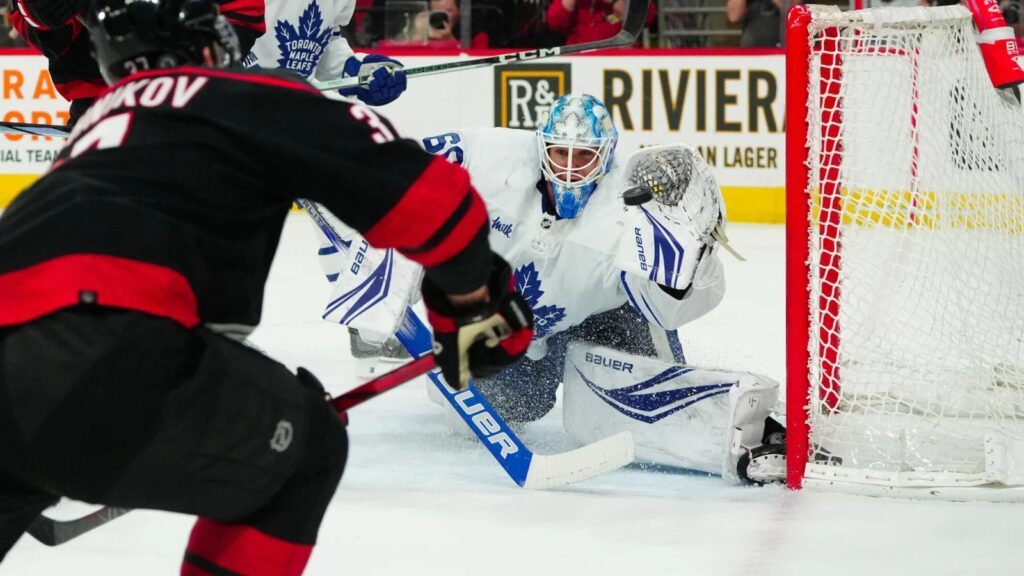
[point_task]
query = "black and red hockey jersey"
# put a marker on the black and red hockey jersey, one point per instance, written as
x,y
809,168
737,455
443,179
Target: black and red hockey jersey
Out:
x,y
74,70
171,193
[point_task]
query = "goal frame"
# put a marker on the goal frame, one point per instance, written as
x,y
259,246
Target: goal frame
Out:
x,y
824,332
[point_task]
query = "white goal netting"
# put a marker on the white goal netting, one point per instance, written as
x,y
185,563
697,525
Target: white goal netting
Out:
x,y
916,254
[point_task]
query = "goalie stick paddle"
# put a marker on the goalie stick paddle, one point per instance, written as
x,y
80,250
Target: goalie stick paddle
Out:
x,y
525,468
635,15
53,532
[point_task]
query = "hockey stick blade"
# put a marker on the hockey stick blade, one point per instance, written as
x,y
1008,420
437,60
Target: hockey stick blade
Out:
x,y
525,468
56,532
594,459
632,24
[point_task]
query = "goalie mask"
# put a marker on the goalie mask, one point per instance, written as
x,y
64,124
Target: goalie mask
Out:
x,y
576,144
130,36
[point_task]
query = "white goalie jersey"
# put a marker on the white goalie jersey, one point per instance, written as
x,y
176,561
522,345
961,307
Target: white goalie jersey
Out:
x,y
566,269
304,36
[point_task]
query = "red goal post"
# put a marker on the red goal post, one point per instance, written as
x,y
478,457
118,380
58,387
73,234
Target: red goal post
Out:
x,y
905,258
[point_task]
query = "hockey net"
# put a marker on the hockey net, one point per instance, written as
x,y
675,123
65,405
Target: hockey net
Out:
x,y
905,248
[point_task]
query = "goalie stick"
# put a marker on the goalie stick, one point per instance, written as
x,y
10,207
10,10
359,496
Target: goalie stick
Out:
x,y
53,532
635,15
525,468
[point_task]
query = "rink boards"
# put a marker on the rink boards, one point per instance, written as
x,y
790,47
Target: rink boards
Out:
x,y
728,104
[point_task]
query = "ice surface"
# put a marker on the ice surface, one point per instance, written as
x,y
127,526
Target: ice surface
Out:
x,y
418,499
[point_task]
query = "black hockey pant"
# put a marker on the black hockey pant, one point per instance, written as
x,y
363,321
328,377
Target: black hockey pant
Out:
x,y
130,410
526,391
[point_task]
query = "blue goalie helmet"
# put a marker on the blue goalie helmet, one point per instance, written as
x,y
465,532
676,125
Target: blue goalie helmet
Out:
x,y
576,144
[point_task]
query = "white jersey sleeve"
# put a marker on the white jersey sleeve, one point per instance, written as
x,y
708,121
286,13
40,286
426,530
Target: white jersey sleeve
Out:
x,y
333,61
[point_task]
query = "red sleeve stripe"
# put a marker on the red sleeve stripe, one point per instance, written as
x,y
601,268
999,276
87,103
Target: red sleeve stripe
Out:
x,y
457,240
40,289
441,323
449,225
423,209
244,13
252,78
78,89
219,548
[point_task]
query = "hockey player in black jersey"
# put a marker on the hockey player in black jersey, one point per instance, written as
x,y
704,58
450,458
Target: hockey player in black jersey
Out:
x,y
126,267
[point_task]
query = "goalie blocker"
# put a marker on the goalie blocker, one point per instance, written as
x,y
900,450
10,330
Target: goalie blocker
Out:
x,y
681,416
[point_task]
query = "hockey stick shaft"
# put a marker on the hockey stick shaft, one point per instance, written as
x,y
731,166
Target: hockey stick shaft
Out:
x,y
375,387
632,24
26,129
56,532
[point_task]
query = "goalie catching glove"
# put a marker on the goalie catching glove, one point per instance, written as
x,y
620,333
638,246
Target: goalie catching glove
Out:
x,y
669,239
482,338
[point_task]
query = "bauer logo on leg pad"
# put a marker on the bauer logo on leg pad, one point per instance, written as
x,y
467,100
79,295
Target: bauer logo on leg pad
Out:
x,y
609,362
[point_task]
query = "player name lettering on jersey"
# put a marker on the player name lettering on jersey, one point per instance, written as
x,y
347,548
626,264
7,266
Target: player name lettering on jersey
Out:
x,y
144,92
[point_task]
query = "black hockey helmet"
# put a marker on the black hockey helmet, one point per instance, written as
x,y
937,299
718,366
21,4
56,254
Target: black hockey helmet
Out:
x,y
134,35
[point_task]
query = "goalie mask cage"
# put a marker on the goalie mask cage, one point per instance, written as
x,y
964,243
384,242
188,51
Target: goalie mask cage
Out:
x,y
905,258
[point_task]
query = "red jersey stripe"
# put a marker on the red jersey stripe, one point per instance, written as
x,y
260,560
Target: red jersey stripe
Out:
x,y
76,89
459,238
277,81
425,207
43,288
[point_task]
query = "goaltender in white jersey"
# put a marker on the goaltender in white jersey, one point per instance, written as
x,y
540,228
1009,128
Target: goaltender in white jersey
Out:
x,y
612,257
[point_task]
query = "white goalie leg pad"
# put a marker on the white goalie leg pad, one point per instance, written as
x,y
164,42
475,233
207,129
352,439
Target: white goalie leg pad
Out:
x,y
372,290
331,259
678,415
751,401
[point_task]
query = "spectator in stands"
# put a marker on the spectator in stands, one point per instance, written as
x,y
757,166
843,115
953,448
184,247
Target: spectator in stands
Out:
x,y
588,20
9,37
442,24
762,20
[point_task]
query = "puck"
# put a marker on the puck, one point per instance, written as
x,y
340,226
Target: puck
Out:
x,y
637,195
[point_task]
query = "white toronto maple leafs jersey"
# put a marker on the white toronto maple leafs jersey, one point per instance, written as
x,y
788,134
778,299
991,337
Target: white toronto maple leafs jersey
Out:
x,y
565,268
304,36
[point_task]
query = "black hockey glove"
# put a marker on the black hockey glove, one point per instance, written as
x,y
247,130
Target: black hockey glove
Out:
x,y
50,14
479,339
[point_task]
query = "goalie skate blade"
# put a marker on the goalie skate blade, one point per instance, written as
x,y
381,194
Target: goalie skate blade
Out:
x,y
591,460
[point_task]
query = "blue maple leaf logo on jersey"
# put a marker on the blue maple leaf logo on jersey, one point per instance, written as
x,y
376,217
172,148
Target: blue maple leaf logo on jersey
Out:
x,y
545,318
301,49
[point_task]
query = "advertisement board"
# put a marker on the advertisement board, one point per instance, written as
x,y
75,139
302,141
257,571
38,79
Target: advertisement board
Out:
x,y
728,104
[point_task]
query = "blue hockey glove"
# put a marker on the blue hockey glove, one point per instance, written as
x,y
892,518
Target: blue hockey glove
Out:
x,y
387,80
